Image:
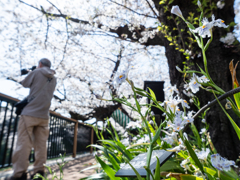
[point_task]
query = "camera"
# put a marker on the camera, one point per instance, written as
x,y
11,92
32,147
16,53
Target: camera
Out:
x,y
26,71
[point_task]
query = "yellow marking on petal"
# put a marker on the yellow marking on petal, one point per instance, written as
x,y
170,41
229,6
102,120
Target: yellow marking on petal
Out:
x,y
185,101
203,26
120,76
178,128
195,82
222,21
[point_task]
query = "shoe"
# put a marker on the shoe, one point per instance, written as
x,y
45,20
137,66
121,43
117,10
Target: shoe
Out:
x,y
23,177
38,172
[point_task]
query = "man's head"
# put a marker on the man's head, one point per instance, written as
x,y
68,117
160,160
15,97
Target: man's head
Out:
x,y
44,62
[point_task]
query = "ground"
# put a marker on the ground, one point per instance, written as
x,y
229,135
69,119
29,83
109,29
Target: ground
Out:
x,y
71,170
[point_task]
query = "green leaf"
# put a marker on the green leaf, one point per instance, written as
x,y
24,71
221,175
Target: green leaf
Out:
x,y
189,177
120,147
114,163
141,93
232,174
152,94
115,132
138,175
157,170
149,171
182,154
110,132
138,89
236,128
49,169
196,134
193,155
156,137
91,167
110,172
171,165
137,150
223,177
105,151
210,171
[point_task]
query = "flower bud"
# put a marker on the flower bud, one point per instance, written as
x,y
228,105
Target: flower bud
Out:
x,y
199,4
179,69
175,10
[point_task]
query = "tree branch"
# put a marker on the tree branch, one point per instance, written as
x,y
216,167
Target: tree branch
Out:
x,y
133,10
157,40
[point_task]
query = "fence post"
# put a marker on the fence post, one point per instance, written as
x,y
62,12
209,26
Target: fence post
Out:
x,y
75,140
92,138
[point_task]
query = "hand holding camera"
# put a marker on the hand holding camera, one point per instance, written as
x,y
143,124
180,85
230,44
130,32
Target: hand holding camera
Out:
x,y
26,71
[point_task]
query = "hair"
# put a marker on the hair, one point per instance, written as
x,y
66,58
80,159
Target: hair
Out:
x,y
45,62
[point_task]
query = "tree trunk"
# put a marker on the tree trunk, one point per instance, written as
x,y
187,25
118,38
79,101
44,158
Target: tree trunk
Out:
x,y
219,56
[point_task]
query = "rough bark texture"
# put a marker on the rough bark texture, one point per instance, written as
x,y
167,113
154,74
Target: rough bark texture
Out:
x,y
219,56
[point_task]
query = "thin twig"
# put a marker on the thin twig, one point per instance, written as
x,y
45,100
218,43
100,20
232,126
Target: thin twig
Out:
x,y
133,10
57,15
153,11
45,42
54,6
222,97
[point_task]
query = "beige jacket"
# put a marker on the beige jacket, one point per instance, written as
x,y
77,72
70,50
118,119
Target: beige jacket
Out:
x,y
40,99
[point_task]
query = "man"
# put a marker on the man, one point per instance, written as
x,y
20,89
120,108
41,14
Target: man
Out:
x,y
33,128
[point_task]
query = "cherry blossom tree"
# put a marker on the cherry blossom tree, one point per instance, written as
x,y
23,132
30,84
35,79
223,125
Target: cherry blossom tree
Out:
x,y
91,41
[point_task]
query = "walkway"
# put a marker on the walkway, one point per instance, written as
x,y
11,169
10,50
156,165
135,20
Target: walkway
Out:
x,y
71,170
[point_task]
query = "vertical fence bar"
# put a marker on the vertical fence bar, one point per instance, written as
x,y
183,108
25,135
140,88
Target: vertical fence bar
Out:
x,y
14,132
61,137
54,137
8,133
2,134
91,142
75,140
58,136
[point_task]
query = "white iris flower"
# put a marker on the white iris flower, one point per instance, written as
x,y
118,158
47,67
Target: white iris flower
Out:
x,y
185,164
170,138
206,28
203,79
184,103
221,163
172,105
134,124
178,124
220,23
194,84
203,154
188,118
121,77
203,131
170,90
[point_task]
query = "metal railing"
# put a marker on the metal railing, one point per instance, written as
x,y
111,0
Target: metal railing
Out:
x,y
66,135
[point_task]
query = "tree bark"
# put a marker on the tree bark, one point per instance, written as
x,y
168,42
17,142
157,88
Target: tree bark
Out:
x,y
219,56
